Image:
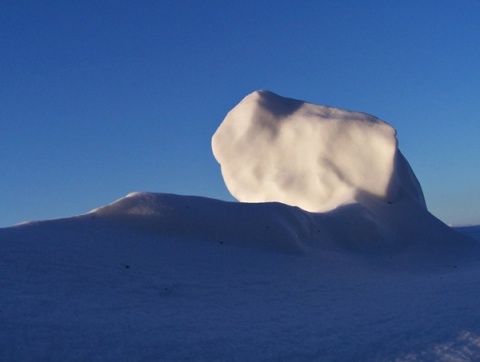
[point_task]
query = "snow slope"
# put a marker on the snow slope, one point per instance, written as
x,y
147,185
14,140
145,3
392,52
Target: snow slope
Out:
x,y
167,277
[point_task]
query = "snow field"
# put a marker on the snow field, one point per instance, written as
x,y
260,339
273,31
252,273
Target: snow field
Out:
x,y
101,287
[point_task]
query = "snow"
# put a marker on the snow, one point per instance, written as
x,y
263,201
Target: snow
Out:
x,y
163,277
168,277
272,148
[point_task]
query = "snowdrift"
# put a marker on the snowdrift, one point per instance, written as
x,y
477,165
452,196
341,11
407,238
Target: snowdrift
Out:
x,y
401,232
313,179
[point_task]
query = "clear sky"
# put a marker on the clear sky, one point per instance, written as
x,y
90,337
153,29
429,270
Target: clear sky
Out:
x,y
102,98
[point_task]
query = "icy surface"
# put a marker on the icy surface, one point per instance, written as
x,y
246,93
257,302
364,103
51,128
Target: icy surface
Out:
x,y
272,148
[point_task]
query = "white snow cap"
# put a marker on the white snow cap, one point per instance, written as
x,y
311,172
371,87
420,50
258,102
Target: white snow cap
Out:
x,y
273,148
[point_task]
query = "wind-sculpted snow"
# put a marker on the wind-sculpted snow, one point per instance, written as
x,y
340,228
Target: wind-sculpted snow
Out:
x,y
369,227
156,276
272,148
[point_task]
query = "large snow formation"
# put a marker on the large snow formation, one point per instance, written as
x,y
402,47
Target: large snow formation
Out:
x,y
166,277
272,148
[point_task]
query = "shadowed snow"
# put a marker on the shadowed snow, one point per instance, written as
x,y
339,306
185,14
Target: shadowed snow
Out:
x,y
165,277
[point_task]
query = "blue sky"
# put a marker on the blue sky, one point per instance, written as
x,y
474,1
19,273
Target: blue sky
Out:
x,y
102,98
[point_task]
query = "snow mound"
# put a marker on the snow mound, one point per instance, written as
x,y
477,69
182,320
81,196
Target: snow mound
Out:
x,y
406,233
272,148
272,226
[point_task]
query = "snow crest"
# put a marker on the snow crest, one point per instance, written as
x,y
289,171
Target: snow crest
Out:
x,y
273,148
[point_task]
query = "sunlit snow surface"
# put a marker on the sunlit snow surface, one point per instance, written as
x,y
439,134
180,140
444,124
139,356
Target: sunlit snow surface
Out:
x,y
162,277
273,148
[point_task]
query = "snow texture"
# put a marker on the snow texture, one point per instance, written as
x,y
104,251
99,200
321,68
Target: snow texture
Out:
x,y
272,148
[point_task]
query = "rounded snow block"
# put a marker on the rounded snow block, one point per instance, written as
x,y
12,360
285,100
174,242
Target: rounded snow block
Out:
x,y
277,149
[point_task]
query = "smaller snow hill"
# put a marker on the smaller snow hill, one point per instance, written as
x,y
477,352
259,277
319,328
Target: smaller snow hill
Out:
x,y
179,278
399,231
